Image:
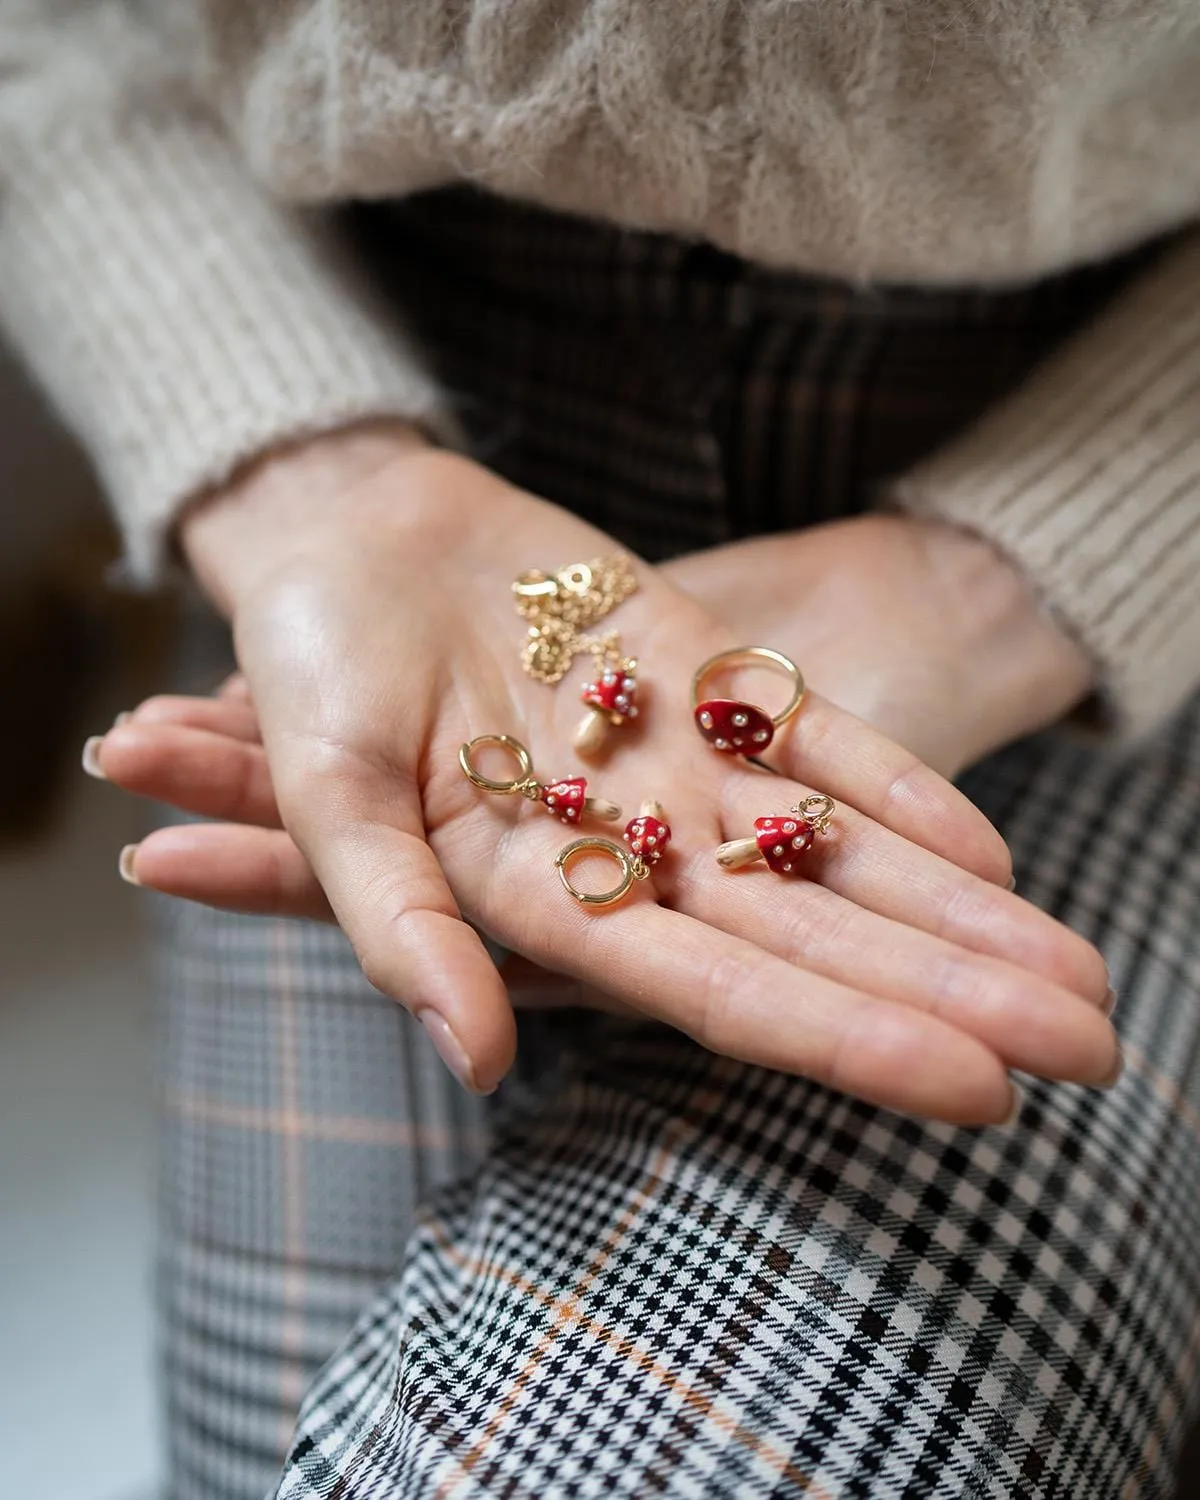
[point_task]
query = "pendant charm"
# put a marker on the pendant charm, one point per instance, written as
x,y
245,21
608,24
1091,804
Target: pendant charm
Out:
x,y
611,700
781,841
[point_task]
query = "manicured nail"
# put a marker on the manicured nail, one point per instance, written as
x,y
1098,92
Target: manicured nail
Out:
x,y
1117,1069
91,757
1110,1002
122,718
450,1049
1017,1105
125,864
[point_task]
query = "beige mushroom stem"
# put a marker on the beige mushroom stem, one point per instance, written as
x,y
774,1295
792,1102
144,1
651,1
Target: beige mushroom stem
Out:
x,y
738,852
599,807
592,732
652,809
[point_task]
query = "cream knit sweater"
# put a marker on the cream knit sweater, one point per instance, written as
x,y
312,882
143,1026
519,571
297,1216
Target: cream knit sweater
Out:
x,y
184,313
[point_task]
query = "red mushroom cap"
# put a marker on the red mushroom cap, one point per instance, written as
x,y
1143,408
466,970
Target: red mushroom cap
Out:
x,y
734,728
647,838
614,693
784,841
565,799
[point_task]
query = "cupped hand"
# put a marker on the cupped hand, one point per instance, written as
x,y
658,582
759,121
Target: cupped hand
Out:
x,y
368,588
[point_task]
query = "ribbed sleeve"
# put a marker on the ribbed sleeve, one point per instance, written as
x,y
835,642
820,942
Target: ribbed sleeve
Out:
x,y
1089,478
178,319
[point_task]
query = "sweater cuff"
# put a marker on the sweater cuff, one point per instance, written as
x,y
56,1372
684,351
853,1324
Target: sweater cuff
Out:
x,y
1089,479
182,322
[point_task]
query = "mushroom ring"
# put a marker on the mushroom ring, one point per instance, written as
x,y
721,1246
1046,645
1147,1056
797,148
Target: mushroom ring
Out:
x,y
734,727
647,836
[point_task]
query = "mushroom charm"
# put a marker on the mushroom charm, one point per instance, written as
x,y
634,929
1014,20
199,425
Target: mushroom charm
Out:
x,y
568,801
647,836
611,698
781,841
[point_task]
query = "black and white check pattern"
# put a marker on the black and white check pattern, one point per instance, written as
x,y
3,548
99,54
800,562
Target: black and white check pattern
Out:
x,y
646,1270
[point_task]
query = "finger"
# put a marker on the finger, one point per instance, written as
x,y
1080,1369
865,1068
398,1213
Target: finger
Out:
x,y
363,835
530,987
857,765
192,769
234,868
1028,1021
229,716
735,999
879,870
235,686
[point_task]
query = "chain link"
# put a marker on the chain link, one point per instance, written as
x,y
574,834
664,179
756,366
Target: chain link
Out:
x,y
561,606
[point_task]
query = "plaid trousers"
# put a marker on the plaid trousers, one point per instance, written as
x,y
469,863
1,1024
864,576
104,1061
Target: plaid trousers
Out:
x,y
641,1269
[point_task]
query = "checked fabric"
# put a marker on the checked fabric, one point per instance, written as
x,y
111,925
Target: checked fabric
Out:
x,y
641,1270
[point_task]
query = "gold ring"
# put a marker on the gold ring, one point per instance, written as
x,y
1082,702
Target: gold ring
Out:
x,y
597,846
738,728
485,783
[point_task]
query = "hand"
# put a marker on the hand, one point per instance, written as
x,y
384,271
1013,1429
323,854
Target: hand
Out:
x,y
927,633
373,623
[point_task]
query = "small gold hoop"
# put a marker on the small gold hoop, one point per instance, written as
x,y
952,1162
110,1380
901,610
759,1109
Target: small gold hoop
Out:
x,y
743,656
485,783
817,810
597,846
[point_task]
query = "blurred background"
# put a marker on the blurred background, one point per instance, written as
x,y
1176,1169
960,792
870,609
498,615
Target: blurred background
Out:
x,y
77,1403
77,1419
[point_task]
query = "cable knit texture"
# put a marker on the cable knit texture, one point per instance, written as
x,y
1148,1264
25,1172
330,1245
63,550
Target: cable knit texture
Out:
x,y
159,274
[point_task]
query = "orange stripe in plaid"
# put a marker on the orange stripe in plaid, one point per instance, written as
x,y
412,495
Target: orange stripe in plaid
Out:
x,y
351,1129
568,1313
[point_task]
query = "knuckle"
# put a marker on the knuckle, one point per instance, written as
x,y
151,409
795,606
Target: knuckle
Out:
x,y
906,788
312,768
731,983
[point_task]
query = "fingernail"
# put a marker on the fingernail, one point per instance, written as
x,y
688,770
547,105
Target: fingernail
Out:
x,y
122,718
450,1049
1110,1002
1017,1105
125,864
91,757
1012,882
1117,1069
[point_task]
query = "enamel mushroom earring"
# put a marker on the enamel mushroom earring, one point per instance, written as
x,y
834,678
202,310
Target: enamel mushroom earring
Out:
x,y
782,841
567,799
647,837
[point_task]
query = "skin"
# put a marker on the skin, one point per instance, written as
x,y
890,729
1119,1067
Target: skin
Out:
x,y
366,577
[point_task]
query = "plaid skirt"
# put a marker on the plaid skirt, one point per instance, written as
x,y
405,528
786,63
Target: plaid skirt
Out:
x,y
641,1269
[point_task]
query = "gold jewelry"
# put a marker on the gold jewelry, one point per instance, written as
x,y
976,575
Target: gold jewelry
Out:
x,y
783,840
560,608
566,799
647,836
628,867
734,727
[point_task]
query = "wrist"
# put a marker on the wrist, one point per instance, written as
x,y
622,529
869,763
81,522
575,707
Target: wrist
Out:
x,y
1021,668
284,504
